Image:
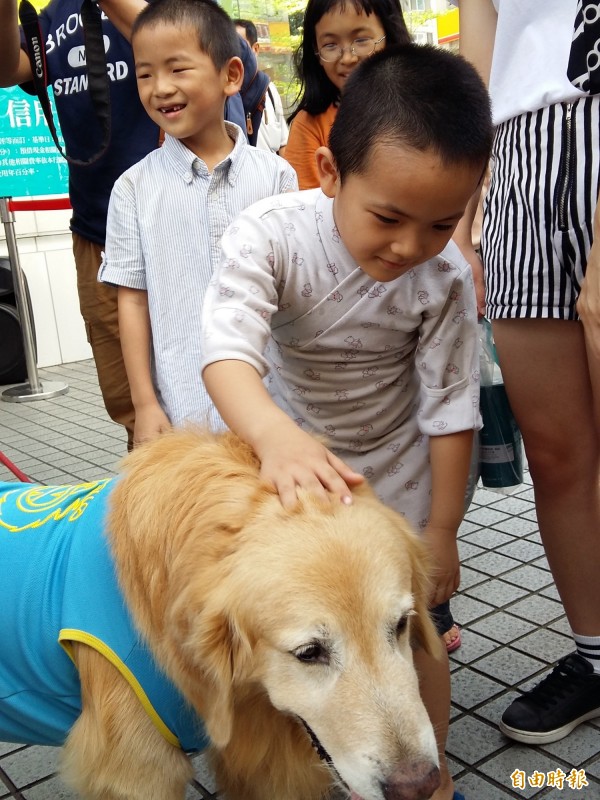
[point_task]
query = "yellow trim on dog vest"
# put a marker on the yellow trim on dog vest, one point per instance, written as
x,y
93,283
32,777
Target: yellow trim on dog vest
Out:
x,y
69,635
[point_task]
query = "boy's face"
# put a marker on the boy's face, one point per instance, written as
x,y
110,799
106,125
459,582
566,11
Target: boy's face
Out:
x,y
401,211
179,85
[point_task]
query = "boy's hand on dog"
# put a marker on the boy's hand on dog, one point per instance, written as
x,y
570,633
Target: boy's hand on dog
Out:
x,y
446,564
292,460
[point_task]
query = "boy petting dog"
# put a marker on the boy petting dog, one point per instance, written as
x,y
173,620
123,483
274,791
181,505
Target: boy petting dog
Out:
x,y
354,303
168,212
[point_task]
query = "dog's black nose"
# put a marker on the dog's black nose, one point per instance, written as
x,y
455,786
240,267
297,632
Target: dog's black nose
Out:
x,y
416,780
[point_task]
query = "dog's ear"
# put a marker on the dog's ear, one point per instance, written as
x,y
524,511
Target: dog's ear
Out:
x,y
222,654
423,632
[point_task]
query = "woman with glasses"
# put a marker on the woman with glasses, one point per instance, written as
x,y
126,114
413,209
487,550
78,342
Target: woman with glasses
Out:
x,y
338,34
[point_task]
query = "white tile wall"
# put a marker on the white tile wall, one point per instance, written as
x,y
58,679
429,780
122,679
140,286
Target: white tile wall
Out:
x,y
46,258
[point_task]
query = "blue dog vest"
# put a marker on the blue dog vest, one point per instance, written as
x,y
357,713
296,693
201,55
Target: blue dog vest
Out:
x,y
57,586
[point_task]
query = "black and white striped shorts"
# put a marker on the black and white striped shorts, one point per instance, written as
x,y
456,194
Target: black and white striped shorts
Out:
x,y
538,213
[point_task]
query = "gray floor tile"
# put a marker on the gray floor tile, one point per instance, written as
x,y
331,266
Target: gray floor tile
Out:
x,y
546,645
476,787
576,791
467,550
562,626
577,748
541,610
550,591
509,666
466,609
471,740
522,550
509,767
531,578
492,563
492,711
487,538
486,517
473,647
467,527
497,592
593,769
52,789
33,764
470,577
501,627
485,497
471,689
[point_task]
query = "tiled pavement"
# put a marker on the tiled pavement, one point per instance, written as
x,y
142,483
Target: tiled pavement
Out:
x,y
513,621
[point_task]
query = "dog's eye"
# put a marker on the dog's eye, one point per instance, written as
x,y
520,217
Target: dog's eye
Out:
x,y
313,653
401,625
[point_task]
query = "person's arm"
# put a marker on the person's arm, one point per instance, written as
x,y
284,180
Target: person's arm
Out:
x,y
588,304
463,237
122,13
478,20
124,266
136,345
14,63
588,308
450,458
448,367
237,316
290,458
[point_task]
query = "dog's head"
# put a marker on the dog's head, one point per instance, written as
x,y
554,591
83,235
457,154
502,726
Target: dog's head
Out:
x,y
317,610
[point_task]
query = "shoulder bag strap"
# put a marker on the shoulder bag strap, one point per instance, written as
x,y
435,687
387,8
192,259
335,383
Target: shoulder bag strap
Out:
x,y
95,56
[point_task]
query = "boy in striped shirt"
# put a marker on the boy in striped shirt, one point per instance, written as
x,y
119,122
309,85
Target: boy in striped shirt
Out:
x,y
168,212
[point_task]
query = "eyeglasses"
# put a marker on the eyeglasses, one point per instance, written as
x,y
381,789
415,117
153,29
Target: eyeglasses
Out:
x,y
362,47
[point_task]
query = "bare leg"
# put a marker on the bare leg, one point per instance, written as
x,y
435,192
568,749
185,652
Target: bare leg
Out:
x,y
434,682
546,373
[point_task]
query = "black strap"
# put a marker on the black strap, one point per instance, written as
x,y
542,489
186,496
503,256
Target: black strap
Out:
x,y
98,80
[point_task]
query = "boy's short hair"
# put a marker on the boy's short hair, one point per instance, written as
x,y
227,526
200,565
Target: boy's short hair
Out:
x,y
419,96
217,36
250,28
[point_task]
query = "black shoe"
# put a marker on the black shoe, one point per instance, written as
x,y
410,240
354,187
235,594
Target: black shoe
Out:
x,y
568,696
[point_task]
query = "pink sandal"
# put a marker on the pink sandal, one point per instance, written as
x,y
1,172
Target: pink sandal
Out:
x,y
456,642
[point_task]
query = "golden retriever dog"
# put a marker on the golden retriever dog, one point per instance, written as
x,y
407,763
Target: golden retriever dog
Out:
x,y
288,633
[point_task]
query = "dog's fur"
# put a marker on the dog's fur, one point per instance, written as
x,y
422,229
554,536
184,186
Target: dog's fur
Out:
x,y
263,618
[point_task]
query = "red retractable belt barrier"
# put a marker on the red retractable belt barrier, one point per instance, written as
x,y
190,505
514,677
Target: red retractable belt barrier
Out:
x,y
39,204
15,470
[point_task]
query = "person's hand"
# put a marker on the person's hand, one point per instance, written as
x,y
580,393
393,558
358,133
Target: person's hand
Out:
x,y
474,259
588,304
446,565
292,460
150,422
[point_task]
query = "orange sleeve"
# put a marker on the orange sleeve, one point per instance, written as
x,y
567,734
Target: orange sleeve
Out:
x,y
307,133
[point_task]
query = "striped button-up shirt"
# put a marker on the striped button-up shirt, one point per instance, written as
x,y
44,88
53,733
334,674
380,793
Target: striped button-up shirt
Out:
x,y
165,221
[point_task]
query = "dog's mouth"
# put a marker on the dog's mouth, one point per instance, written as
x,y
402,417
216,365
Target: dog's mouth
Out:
x,y
328,761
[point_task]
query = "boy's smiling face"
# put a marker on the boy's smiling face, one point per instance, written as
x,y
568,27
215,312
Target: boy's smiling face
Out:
x,y
402,210
178,83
